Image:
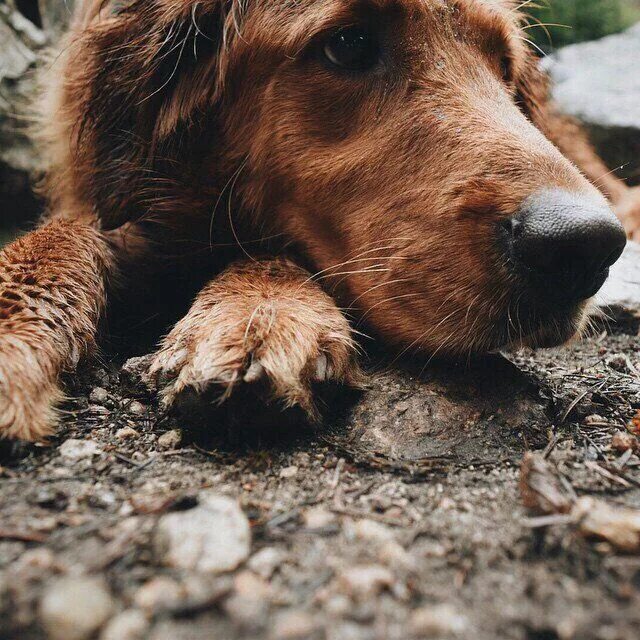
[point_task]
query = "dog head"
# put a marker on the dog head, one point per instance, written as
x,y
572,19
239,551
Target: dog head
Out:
x,y
399,145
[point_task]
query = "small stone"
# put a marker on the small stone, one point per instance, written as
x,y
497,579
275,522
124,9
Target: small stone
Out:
x,y
618,362
394,555
248,613
365,581
79,449
623,441
49,498
370,531
158,595
170,440
137,408
128,625
249,585
127,434
266,561
289,472
436,622
40,558
318,518
293,625
595,420
213,537
99,396
75,608
338,605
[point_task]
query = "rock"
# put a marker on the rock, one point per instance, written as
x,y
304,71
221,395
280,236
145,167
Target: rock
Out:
x,y
623,441
293,625
441,621
99,396
620,295
371,531
266,561
598,83
464,412
395,556
289,472
137,408
213,537
158,595
128,625
79,449
127,433
363,582
134,376
247,612
75,608
318,518
170,440
21,47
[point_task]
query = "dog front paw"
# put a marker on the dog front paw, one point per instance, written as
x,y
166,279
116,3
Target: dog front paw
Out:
x,y
27,414
280,347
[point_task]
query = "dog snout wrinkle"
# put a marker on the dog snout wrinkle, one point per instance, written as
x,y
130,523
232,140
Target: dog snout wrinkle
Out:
x,y
563,244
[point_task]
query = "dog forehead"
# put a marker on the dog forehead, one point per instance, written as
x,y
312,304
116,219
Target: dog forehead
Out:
x,y
296,18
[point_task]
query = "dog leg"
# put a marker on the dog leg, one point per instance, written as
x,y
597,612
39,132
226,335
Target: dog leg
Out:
x,y
573,142
52,293
262,321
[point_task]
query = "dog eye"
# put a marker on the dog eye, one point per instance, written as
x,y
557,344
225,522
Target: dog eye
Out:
x,y
352,48
506,70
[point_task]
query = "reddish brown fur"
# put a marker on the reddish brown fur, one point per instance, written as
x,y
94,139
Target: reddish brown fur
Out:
x,y
174,123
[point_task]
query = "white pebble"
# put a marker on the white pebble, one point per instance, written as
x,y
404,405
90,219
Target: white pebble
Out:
x,y
438,621
75,608
99,395
79,449
214,537
170,440
363,582
289,472
293,625
158,595
128,625
266,561
126,434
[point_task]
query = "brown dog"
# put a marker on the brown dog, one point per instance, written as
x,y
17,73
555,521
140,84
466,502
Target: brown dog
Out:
x,y
403,150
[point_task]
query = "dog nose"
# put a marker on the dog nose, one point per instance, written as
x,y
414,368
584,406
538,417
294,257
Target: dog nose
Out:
x,y
563,244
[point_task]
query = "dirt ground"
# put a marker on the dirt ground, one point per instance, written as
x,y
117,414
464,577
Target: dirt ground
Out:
x,y
399,518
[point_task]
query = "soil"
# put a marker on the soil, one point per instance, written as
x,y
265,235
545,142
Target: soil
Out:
x,y
400,517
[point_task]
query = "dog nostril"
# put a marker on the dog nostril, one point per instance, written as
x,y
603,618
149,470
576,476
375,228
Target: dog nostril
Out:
x,y
512,227
563,245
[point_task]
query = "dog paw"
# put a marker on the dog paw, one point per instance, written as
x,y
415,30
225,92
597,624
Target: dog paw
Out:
x,y
279,347
628,211
27,414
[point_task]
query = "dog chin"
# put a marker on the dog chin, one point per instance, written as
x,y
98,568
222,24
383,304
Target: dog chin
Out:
x,y
554,329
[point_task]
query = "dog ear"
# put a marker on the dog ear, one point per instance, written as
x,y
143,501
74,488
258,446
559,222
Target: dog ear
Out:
x,y
142,79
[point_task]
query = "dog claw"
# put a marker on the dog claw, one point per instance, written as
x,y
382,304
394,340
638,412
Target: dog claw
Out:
x,y
255,372
322,368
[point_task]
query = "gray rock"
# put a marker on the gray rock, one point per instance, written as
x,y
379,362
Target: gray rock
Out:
x,y
128,625
441,621
22,45
621,293
214,537
75,608
466,412
170,440
79,449
599,84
